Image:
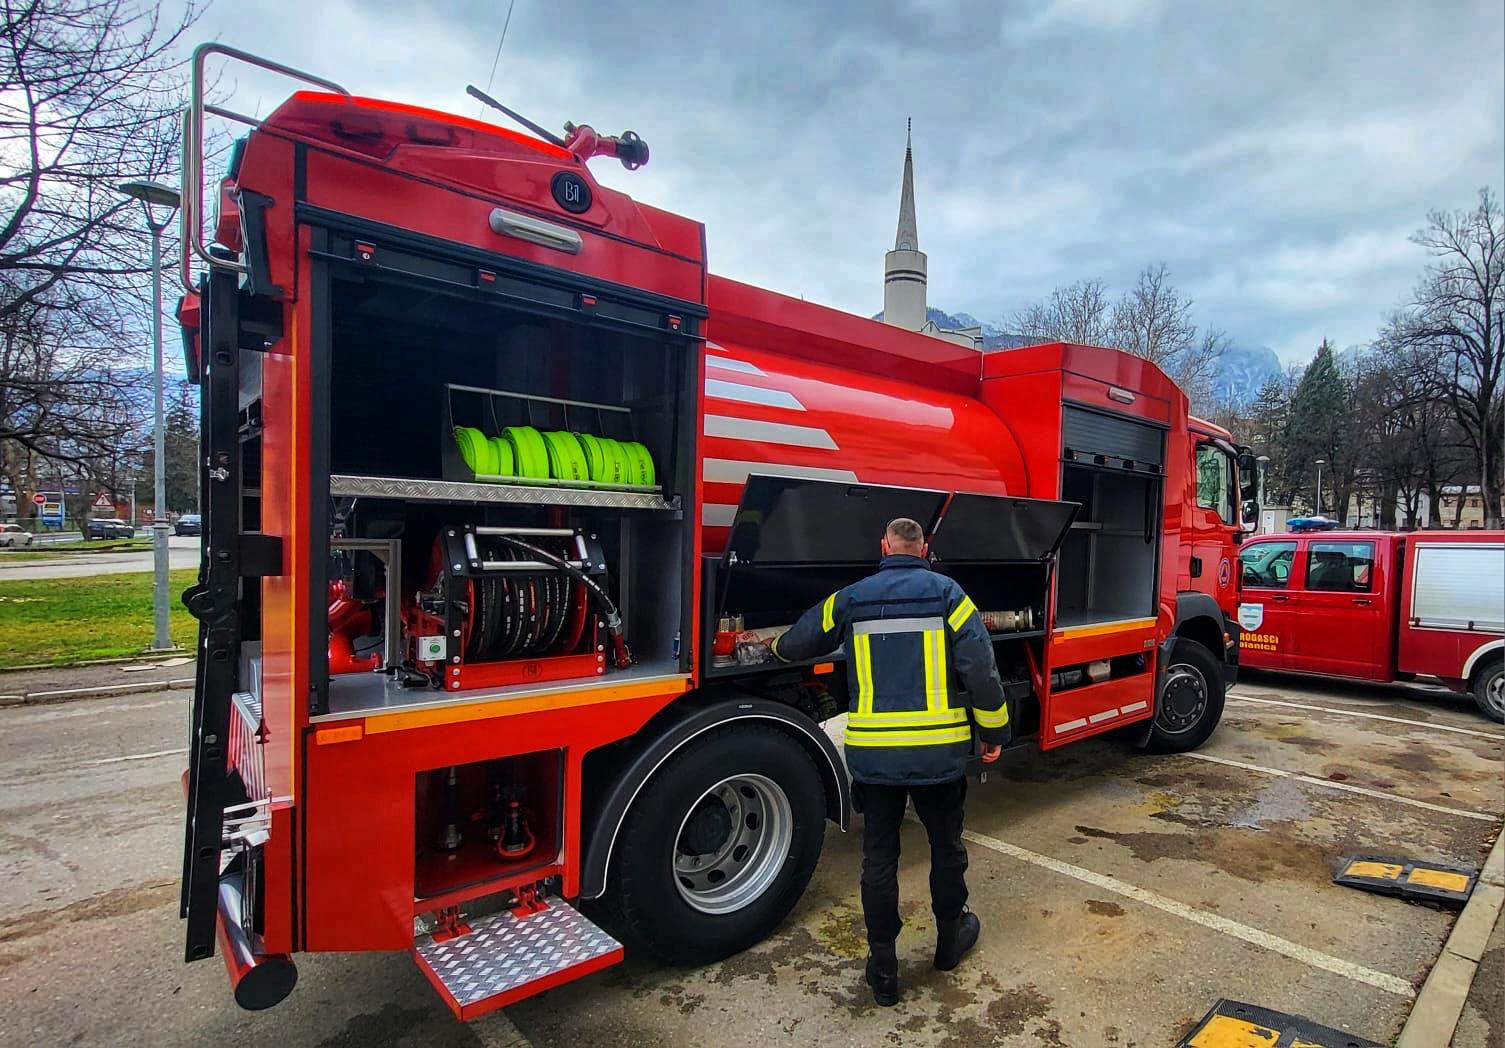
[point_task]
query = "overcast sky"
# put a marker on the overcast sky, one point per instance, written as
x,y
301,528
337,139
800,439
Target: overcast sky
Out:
x,y
1275,156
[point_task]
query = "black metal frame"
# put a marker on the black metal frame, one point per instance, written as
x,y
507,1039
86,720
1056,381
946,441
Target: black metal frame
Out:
x,y
214,601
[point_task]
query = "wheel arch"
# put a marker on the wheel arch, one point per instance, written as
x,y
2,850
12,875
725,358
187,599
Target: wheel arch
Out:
x,y
1483,655
665,736
1198,618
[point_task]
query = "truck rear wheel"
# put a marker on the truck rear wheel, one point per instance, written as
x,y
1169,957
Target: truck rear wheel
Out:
x,y
1489,691
718,847
1190,703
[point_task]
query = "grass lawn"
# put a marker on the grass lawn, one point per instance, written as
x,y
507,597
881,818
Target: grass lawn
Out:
x,y
57,621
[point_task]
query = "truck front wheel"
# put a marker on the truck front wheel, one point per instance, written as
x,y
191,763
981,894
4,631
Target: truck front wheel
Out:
x,y
719,846
1190,701
1489,691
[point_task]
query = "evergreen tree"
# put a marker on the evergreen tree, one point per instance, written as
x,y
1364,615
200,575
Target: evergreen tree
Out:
x,y
1318,428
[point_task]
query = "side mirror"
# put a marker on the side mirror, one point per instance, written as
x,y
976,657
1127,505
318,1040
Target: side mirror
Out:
x,y
1248,475
1249,514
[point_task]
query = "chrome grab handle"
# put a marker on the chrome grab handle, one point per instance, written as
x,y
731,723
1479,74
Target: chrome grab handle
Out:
x,y
190,211
473,554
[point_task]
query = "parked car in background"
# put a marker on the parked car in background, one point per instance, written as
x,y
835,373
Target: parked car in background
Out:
x,y
188,524
13,536
108,528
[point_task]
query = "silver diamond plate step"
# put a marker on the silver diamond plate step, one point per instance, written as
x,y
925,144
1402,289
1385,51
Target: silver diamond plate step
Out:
x,y
506,958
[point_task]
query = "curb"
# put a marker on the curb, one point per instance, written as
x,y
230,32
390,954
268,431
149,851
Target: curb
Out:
x,y
1439,1006
45,698
147,656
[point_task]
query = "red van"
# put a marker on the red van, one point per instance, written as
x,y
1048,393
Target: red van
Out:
x,y
1379,606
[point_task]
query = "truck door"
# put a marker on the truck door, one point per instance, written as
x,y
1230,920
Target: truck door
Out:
x,y
1340,611
1266,613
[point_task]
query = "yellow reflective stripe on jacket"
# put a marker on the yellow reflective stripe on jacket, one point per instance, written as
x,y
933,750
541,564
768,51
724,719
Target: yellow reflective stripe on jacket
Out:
x,y
935,670
894,739
828,614
942,719
962,613
992,718
862,656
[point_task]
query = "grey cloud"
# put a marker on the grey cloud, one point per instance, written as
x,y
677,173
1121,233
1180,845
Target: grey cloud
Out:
x,y
1274,155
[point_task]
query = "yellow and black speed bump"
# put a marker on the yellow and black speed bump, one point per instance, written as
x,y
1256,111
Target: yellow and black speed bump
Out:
x,y
1396,875
1233,1024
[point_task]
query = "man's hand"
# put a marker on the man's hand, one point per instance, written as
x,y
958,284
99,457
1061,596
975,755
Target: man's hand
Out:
x,y
990,754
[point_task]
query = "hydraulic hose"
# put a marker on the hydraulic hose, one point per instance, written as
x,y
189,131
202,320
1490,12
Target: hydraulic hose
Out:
x,y
621,657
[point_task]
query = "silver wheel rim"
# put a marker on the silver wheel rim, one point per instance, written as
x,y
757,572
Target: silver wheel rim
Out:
x,y
1187,686
1494,692
728,873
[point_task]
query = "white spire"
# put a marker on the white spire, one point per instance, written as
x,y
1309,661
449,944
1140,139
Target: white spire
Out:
x,y
908,238
904,266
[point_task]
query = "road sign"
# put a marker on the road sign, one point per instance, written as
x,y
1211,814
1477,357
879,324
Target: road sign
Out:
x,y
104,501
39,499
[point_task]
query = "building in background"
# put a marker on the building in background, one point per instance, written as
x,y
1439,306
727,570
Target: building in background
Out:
x,y
904,272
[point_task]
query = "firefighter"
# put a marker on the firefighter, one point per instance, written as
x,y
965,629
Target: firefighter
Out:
x,y
911,637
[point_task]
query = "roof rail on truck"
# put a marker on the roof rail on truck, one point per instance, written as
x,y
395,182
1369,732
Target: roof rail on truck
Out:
x,y
191,211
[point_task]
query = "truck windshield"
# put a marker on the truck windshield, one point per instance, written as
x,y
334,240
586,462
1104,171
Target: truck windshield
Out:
x,y
1215,490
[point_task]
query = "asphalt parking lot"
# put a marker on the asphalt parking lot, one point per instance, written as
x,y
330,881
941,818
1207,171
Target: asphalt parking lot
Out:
x,y
1121,895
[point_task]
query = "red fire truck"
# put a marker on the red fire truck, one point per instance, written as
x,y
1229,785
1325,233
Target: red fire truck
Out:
x,y
501,483
1380,606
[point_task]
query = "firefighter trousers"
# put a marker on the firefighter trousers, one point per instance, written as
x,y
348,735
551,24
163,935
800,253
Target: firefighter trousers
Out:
x,y
940,810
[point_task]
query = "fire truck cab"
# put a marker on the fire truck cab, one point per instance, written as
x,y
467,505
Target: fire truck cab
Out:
x,y
503,489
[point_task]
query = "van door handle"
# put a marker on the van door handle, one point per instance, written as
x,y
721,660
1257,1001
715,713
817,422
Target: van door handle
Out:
x,y
1281,597
1365,601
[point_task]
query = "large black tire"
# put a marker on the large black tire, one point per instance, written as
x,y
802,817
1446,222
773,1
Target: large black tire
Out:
x,y
1489,690
1190,703
646,901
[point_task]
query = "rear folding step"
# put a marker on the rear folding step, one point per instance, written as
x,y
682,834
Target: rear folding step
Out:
x,y
504,957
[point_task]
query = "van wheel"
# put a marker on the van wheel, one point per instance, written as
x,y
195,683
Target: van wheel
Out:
x,y
1191,699
718,847
1489,691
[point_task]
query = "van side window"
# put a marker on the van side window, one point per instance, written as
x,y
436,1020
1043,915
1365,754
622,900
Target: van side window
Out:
x,y
1268,564
1340,567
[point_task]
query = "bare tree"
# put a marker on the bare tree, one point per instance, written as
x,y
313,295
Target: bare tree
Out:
x,y
1153,320
1456,322
89,96
1079,312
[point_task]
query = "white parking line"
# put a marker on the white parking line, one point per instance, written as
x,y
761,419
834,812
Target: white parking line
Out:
x,y
137,757
1495,735
1264,940
1462,813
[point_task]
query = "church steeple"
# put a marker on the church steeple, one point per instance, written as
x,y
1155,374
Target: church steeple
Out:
x,y
904,266
908,238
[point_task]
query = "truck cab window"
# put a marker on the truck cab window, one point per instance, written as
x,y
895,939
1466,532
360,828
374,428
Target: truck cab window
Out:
x,y
1268,565
1341,567
1215,488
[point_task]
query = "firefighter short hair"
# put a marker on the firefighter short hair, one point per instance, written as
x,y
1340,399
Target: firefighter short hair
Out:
x,y
905,532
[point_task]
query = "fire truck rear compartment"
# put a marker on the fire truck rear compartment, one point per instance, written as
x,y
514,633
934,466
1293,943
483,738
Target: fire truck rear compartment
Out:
x,y
519,540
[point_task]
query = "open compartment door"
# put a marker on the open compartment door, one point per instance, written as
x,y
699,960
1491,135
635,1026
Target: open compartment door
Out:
x,y
793,542
1002,528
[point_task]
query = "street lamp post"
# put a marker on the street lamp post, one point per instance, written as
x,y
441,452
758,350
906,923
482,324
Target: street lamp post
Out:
x,y
1320,464
154,196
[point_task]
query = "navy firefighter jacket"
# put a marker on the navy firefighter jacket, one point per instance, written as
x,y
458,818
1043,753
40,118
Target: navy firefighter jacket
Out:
x,y
911,636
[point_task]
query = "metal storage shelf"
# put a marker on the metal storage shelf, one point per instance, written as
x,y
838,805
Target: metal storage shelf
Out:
x,y
554,494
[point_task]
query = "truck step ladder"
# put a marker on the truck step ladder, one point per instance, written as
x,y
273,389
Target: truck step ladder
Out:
x,y
504,957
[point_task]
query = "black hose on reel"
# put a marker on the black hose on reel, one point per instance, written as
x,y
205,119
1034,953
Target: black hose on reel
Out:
x,y
621,657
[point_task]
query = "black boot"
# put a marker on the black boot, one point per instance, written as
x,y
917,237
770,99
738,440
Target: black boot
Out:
x,y
954,938
883,973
